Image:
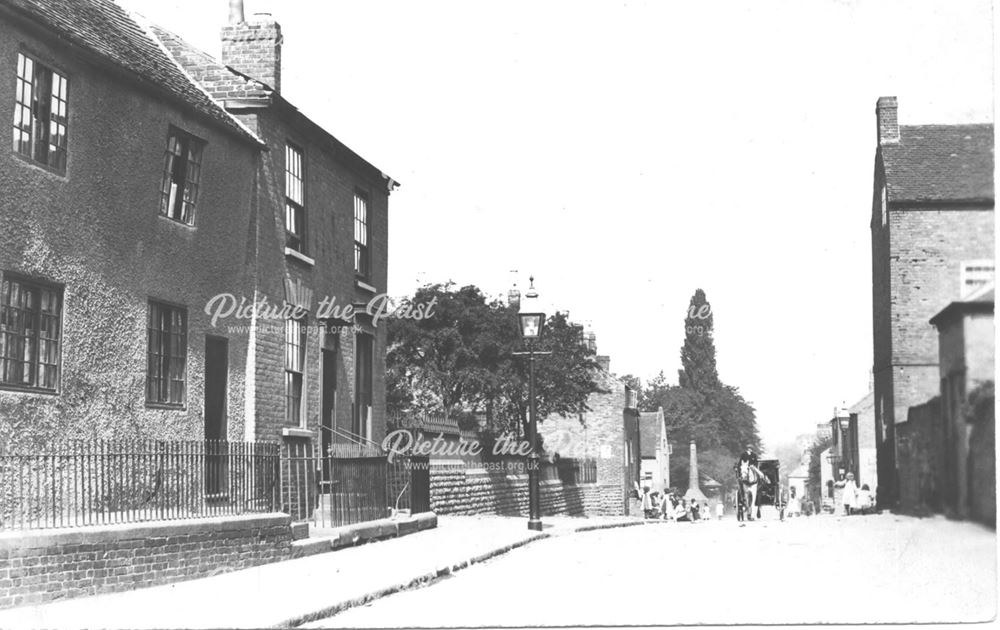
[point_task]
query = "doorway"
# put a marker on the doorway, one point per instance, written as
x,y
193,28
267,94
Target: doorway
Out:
x,y
216,385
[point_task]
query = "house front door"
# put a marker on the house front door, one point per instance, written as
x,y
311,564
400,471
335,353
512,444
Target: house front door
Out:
x,y
216,384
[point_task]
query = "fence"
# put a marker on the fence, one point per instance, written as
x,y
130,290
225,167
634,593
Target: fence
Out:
x,y
350,483
77,483
570,471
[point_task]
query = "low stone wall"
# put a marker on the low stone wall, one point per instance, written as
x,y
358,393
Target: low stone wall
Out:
x,y
456,489
44,565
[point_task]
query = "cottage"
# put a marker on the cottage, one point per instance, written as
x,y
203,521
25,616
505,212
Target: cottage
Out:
x,y
125,203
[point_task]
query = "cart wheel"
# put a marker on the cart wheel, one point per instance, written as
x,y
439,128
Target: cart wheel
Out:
x,y
782,514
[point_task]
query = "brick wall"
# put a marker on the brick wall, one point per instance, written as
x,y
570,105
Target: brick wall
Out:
x,y
38,567
927,248
331,179
255,50
916,261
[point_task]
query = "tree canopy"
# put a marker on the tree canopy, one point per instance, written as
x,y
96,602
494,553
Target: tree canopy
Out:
x,y
702,409
460,360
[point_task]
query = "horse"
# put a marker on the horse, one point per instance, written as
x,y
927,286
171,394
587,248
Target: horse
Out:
x,y
749,476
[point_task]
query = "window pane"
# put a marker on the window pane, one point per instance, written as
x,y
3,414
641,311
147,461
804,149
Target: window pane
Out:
x,y
181,177
361,255
29,334
167,354
294,199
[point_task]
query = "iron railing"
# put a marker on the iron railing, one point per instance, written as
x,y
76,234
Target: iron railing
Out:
x,y
570,471
94,482
350,483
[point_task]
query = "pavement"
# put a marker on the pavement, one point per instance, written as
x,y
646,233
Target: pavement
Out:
x,y
819,570
293,592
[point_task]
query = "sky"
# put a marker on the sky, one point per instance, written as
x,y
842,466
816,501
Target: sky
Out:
x,y
628,153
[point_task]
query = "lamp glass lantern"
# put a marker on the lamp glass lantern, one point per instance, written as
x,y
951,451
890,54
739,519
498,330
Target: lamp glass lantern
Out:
x,y
529,315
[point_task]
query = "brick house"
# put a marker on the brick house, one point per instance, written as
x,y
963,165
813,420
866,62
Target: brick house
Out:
x,y
967,359
931,228
126,199
322,233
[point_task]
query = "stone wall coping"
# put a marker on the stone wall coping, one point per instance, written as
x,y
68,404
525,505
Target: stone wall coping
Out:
x,y
95,534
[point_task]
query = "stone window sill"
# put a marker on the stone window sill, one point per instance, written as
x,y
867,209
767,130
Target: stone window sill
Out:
x,y
299,256
298,433
361,284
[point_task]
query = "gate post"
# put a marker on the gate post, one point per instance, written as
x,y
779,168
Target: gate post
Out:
x,y
420,485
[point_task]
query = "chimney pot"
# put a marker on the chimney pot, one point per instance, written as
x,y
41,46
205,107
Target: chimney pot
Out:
x,y
886,115
236,12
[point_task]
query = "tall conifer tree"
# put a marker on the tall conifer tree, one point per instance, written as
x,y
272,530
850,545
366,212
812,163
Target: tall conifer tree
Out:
x,y
698,352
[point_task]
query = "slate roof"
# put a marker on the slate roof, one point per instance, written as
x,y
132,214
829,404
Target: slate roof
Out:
x,y
649,432
940,163
115,36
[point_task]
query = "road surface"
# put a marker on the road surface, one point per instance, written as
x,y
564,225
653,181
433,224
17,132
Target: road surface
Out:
x,y
824,569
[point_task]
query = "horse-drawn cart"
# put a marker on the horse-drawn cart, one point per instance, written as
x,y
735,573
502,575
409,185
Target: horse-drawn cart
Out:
x,y
769,491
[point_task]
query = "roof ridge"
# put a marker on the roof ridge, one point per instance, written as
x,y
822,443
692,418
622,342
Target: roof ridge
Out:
x,y
947,125
146,26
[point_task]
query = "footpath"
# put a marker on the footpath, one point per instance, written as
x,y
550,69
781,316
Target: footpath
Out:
x,y
290,593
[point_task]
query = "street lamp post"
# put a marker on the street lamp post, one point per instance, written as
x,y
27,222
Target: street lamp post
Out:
x,y
531,319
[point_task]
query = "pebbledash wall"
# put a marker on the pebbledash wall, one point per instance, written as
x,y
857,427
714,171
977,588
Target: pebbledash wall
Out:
x,y
47,565
96,232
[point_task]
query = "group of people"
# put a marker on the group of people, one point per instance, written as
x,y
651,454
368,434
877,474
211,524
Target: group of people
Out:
x,y
668,506
856,500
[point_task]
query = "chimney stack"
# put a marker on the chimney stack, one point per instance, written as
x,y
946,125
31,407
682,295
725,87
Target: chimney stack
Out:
x,y
888,121
253,48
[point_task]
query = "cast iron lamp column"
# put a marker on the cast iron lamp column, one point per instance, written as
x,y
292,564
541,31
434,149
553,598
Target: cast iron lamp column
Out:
x,y
531,319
